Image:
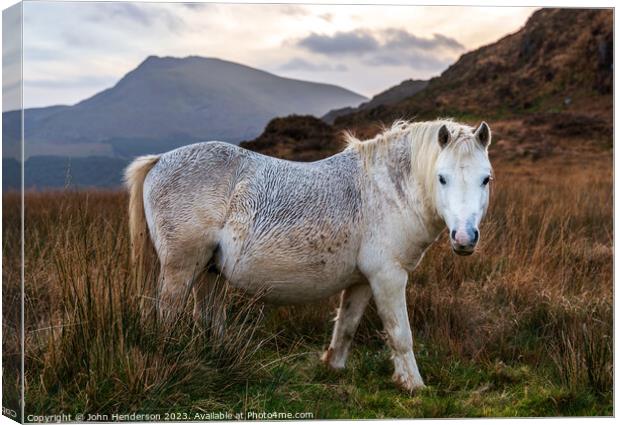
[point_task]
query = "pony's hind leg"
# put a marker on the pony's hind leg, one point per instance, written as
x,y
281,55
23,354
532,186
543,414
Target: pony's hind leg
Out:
x,y
201,292
176,280
353,302
208,309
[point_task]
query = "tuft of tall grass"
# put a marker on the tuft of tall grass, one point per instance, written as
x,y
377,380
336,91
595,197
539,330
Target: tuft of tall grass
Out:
x,y
539,290
93,340
11,302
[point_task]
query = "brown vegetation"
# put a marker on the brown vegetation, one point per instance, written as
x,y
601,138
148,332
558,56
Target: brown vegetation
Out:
x,y
298,137
538,293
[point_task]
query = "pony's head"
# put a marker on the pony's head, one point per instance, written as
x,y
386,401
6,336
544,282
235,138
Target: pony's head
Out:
x,y
462,174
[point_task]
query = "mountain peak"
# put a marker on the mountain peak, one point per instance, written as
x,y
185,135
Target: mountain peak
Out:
x,y
166,102
154,61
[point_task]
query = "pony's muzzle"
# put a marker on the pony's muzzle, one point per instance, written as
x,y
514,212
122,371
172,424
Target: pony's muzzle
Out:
x,y
464,241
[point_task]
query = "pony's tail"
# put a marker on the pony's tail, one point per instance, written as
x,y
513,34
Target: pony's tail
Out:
x,y
135,174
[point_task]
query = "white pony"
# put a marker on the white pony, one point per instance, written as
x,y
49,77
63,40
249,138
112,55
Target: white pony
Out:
x,y
355,223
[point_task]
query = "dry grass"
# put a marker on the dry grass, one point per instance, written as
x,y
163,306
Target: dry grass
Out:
x,y
540,287
538,293
93,342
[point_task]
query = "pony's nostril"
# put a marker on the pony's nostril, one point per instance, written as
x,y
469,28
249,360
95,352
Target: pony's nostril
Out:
x,y
476,235
453,234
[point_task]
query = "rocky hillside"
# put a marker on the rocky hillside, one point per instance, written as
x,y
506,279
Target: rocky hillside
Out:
x,y
389,97
544,89
302,138
560,61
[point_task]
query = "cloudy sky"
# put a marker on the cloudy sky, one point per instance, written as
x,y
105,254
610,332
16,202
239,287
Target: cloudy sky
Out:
x,y
73,50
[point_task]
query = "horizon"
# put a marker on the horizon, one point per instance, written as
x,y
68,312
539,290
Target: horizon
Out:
x,y
364,49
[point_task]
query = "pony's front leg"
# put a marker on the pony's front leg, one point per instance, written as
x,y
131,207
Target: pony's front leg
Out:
x,y
389,290
353,302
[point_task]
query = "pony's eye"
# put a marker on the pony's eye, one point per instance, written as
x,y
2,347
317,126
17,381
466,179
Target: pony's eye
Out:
x,y
486,181
442,180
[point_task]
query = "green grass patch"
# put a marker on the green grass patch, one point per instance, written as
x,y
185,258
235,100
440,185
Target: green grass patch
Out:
x,y
299,382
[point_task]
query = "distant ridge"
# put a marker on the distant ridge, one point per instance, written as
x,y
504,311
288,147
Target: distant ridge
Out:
x,y
167,102
388,97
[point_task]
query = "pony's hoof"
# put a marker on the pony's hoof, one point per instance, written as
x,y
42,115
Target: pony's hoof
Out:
x,y
408,384
327,355
327,360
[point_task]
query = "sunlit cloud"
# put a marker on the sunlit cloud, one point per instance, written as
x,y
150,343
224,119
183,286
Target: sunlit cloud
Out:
x,y
341,43
299,64
389,47
139,14
72,50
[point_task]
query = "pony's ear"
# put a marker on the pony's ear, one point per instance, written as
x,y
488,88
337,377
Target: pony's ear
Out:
x,y
483,134
443,136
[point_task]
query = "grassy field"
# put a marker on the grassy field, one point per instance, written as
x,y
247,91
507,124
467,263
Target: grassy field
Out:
x,y
522,328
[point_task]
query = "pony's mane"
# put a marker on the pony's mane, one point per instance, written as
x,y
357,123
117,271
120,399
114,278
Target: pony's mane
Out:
x,y
422,135
423,139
